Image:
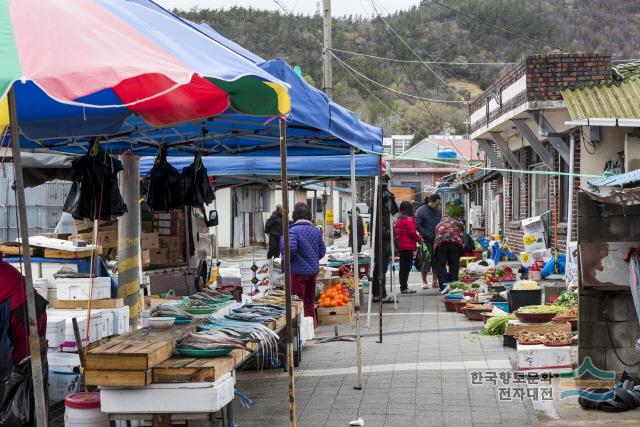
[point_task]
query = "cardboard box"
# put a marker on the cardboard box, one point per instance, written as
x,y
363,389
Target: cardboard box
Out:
x,y
106,238
533,234
158,256
335,315
150,240
146,259
86,226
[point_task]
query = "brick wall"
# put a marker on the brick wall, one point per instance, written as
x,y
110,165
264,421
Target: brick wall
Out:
x,y
547,75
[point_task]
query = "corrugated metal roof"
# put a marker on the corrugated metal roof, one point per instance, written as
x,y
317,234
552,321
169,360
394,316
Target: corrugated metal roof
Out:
x,y
622,180
613,101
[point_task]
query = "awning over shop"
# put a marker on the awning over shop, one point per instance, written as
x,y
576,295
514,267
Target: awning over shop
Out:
x,y
623,189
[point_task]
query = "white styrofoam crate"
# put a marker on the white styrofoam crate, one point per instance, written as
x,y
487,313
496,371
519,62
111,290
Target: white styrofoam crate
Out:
x,y
170,398
95,326
48,269
121,320
541,358
56,332
79,288
36,272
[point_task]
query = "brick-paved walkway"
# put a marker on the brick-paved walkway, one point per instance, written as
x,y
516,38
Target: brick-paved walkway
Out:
x,y
419,375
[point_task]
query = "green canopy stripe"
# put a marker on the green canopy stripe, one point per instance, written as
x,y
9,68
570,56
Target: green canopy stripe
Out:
x,y
250,95
9,63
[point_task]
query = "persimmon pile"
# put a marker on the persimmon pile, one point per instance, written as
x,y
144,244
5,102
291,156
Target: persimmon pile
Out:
x,y
334,296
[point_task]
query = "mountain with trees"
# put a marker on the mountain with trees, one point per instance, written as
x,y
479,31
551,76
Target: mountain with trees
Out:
x,y
452,31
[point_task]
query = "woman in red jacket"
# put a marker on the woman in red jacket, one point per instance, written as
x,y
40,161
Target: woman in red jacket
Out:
x,y
407,237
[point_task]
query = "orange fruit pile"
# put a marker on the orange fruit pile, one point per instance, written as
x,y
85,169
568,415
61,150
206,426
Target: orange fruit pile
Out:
x,y
334,296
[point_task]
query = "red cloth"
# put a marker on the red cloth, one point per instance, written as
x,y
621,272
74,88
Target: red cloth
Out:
x,y
406,233
12,287
304,286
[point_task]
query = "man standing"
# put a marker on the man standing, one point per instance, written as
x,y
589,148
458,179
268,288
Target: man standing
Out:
x,y
273,227
360,231
427,217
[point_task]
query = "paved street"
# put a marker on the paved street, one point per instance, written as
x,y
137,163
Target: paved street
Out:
x,y
420,375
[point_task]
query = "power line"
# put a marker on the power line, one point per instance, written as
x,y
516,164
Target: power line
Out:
x,y
373,4
413,61
389,109
494,26
397,92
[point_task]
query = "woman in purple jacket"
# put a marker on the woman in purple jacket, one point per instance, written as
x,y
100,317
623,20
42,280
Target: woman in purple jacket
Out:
x,y
307,248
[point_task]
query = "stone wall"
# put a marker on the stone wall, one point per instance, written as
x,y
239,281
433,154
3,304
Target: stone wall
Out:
x,y
609,327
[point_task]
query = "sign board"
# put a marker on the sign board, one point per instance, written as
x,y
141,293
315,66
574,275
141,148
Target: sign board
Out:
x,y
534,234
328,216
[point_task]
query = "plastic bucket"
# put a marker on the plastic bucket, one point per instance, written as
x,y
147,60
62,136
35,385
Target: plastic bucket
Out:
x,y
63,376
83,410
523,298
504,306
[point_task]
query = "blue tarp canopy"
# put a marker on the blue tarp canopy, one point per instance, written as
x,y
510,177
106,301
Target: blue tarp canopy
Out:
x,y
316,125
252,166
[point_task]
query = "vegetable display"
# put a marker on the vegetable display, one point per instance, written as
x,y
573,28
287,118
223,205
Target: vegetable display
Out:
x,y
567,299
496,325
540,309
526,285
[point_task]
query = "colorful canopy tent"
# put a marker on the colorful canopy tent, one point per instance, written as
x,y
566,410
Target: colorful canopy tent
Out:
x,y
53,117
120,59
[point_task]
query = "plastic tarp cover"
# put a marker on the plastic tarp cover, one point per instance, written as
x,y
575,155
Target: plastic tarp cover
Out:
x,y
317,166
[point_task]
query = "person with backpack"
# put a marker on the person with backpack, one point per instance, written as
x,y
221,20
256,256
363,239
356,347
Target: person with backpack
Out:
x,y
407,237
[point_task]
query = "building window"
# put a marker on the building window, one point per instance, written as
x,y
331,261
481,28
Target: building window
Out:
x,y
538,191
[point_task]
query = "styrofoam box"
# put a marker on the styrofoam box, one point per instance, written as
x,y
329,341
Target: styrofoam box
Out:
x,y
48,269
170,398
52,294
78,288
533,358
121,320
306,329
36,272
55,332
69,343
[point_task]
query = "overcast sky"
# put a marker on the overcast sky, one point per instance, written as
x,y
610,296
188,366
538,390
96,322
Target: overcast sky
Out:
x,y
339,7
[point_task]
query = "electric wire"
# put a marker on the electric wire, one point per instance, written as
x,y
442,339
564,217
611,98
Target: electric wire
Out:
x,y
375,8
397,92
494,26
415,61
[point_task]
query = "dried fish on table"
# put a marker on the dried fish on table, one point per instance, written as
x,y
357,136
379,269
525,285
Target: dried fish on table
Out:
x,y
206,341
168,310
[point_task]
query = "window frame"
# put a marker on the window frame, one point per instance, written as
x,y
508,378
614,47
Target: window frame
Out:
x,y
535,210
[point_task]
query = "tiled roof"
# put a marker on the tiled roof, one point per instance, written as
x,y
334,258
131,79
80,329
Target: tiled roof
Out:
x,y
618,100
428,148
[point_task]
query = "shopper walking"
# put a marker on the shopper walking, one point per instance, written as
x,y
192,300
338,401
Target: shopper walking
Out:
x,y
407,237
359,229
427,217
306,248
449,244
273,227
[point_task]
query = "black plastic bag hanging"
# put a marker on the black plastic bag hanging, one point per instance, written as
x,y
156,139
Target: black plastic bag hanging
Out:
x,y
94,193
16,397
197,187
165,184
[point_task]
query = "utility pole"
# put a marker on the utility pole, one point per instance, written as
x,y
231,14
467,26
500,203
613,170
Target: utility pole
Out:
x,y
327,74
327,87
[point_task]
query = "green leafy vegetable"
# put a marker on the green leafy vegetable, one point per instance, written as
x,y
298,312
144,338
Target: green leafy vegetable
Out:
x,y
496,325
566,299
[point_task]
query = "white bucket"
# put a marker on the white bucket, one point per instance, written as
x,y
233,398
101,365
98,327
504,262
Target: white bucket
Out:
x,y
83,410
62,378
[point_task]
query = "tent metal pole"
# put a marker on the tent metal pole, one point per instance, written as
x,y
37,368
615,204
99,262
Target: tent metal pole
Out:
x,y
372,266
287,270
381,272
393,289
356,267
572,149
41,409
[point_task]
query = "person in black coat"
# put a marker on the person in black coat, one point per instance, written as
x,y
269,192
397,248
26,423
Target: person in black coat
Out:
x,y
273,227
389,207
360,230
